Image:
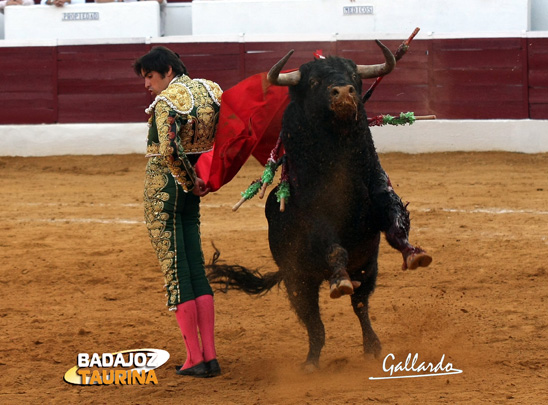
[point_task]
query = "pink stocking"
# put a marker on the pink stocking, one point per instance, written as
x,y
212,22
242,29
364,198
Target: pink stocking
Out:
x,y
206,323
187,315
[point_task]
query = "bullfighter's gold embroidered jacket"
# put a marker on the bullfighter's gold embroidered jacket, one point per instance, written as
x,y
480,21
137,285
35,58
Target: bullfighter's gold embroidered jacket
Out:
x,y
183,121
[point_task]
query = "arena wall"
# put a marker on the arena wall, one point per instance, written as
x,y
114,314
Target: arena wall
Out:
x,y
496,79
503,77
359,16
523,136
252,17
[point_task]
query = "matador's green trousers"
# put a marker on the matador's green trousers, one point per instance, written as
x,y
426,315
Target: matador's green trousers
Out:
x,y
173,221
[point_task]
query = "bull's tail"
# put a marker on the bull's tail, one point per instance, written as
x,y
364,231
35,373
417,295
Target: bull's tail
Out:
x,y
236,277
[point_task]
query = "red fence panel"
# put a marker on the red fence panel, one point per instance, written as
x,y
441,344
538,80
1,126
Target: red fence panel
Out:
x,y
28,85
458,88
471,78
261,56
217,61
97,84
405,88
538,78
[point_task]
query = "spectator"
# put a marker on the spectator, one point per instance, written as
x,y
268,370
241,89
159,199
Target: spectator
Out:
x,y
61,3
5,3
163,4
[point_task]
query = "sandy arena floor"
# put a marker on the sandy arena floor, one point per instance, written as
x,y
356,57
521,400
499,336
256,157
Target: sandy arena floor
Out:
x,y
78,274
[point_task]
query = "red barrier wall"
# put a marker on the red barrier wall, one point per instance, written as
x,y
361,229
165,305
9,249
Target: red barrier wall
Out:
x,y
28,85
476,78
538,77
479,78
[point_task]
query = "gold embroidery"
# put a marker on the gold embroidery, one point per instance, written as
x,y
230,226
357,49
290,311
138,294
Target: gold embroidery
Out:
x,y
199,132
153,149
177,95
213,89
183,173
156,179
197,101
193,105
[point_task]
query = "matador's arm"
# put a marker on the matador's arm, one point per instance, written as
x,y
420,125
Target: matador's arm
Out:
x,y
169,124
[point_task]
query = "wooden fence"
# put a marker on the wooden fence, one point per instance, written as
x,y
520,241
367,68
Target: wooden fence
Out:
x,y
472,78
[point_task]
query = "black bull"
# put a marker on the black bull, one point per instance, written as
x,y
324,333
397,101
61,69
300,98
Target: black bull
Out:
x,y
340,199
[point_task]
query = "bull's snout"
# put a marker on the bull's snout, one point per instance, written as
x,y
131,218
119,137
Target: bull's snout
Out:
x,y
344,101
343,91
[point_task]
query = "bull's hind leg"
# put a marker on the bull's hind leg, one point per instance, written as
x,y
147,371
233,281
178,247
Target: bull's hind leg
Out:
x,y
339,282
360,303
303,295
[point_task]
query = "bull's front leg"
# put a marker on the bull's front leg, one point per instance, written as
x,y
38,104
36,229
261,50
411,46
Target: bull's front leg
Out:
x,y
360,303
339,281
395,221
303,295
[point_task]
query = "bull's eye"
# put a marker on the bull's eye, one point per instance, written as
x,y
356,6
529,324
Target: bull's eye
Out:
x,y
313,83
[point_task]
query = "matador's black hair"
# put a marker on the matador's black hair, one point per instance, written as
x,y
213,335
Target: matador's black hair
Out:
x,y
159,59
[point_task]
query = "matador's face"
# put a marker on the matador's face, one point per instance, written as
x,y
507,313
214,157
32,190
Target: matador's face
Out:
x,y
155,82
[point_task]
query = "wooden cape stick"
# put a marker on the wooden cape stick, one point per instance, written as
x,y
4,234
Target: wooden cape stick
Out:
x,y
425,117
239,204
402,49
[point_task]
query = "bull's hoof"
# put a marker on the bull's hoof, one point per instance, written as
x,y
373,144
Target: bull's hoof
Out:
x,y
340,288
372,348
309,367
416,260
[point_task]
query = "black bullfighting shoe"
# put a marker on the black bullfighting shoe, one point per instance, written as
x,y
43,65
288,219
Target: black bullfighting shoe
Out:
x,y
198,371
213,368
414,258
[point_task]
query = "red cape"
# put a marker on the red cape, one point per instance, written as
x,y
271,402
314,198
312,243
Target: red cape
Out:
x,y
250,120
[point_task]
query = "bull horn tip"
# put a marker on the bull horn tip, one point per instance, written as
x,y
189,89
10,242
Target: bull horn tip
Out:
x,y
284,79
379,43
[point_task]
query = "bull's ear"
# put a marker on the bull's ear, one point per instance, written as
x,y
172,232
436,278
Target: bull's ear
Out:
x,y
369,71
283,79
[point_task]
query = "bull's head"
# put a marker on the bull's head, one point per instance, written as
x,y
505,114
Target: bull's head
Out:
x,y
343,94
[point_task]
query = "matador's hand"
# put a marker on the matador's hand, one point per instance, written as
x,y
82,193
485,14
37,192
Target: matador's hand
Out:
x,y
200,189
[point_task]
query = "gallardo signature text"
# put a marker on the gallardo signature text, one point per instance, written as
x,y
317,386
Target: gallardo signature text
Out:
x,y
412,365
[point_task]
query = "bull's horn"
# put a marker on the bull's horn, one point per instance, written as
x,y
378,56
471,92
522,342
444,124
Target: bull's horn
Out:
x,y
369,71
284,79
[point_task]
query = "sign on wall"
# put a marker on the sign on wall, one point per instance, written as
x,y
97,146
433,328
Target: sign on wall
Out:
x,y
80,16
357,10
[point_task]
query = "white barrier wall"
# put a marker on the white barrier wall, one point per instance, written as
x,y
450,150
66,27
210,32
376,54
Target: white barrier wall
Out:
x,y
80,21
178,19
208,17
524,136
73,139
360,16
539,15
